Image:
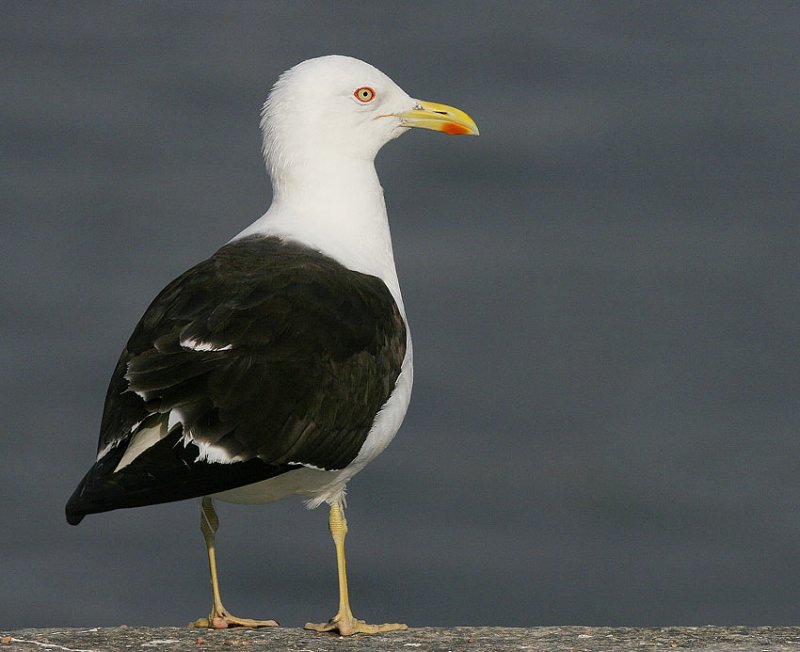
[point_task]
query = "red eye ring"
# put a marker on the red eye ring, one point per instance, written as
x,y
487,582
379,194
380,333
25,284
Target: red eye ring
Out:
x,y
364,94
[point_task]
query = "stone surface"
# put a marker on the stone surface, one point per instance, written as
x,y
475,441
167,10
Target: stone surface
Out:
x,y
426,639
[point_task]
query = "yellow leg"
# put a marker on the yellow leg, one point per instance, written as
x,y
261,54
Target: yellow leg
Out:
x,y
344,622
219,618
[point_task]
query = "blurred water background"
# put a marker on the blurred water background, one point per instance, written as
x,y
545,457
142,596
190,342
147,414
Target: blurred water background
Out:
x,y
603,292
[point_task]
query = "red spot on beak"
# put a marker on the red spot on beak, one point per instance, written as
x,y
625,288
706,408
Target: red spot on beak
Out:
x,y
454,129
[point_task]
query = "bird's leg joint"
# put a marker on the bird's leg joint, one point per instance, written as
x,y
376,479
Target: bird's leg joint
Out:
x,y
337,523
209,521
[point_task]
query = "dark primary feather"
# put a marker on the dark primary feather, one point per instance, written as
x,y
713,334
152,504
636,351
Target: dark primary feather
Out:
x,y
315,352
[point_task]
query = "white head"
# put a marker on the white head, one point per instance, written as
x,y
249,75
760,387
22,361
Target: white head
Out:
x,y
339,107
323,123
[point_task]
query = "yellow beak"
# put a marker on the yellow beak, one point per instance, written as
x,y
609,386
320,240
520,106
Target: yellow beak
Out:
x,y
439,117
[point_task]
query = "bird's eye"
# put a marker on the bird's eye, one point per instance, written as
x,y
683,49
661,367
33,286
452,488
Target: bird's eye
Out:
x,y
364,94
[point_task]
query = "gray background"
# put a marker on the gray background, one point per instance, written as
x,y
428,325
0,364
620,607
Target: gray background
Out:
x,y
603,291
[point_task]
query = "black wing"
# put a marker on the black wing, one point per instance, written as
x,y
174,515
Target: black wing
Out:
x,y
272,354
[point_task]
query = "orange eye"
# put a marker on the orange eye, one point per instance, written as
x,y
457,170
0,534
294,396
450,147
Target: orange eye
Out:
x,y
364,94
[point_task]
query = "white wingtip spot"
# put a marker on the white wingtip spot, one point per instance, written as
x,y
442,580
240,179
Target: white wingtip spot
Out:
x,y
140,442
175,417
191,344
107,449
214,454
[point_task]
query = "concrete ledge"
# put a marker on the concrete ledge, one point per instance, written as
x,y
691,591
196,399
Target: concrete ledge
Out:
x,y
426,639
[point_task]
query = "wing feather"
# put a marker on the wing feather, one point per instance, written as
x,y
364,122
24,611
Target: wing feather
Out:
x,y
293,356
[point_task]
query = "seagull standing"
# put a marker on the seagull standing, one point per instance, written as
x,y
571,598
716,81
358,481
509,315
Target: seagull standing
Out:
x,y
282,364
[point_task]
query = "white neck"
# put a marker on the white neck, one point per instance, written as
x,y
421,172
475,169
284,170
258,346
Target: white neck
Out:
x,y
336,206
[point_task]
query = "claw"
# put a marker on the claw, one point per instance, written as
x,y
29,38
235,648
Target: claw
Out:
x,y
350,626
224,621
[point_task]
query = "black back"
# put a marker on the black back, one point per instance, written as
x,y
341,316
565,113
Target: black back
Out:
x,y
273,353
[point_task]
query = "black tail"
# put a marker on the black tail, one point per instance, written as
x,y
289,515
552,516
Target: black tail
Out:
x,y
168,472
74,515
87,497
